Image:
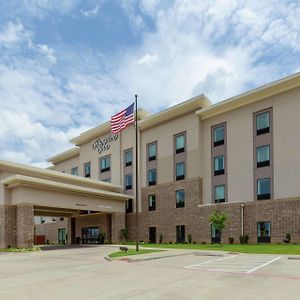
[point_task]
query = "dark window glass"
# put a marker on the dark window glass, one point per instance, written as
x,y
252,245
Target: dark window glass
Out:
x,y
128,158
180,233
152,151
152,177
74,171
263,189
180,198
87,169
152,202
180,171
129,208
263,156
219,193
218,133
180,143
263,123
128,181
105,164
219,165
263,232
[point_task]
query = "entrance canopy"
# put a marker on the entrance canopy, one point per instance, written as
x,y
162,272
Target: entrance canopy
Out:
x,y
52,192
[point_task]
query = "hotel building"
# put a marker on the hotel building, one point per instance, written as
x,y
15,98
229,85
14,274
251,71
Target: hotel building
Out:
x,y
240,156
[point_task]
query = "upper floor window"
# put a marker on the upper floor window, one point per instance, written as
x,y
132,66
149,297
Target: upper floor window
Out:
x,y
180,198
128,158
219,193
152,151
219,135
263,123
151,202
180,171
263,188
263,156
152,177
74,171
180,143
219,165
105,164
128,182
87,169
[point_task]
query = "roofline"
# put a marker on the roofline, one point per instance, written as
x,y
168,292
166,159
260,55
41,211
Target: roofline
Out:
x,y
21,180
268,90
104,128
175,111
64,155
17,167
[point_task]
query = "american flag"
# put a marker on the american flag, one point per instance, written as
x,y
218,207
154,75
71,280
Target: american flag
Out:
x,y
120,120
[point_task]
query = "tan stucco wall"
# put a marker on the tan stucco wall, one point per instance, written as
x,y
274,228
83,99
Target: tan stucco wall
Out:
x,y
53,198
67,165
286,108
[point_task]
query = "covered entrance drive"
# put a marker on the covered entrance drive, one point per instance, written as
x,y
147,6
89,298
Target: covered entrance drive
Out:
x,y
88,203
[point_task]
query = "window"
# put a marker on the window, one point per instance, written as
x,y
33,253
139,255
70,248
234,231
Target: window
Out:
x,y
129,206
87,169
263,156
180,233
215,235
219,165
263,232
152,151
105,164
107,180
263,189
263,123
151,202
74,171
128,182
152,177
218,133
180,171
180,143
180,198
128,158
219,193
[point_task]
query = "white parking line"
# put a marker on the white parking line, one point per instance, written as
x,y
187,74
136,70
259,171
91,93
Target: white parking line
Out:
x,y
263,265
209,261
239,263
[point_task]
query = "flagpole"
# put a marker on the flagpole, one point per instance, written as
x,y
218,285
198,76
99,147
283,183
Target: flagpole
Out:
x,y
137,235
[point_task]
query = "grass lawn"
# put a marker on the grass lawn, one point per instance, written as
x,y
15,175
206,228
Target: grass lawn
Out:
x,y
131,252
20,249
258,249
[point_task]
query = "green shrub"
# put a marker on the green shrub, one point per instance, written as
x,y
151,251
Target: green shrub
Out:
x,y
160,238
190,238
231,240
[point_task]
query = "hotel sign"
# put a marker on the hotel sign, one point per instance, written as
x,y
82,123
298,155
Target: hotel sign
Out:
x,y
104,144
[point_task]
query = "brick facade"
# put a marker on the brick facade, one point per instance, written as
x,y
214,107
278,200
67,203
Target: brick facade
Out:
x,y
282,213
117,224
25,225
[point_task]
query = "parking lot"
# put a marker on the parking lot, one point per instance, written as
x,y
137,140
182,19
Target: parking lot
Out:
x,y
83,273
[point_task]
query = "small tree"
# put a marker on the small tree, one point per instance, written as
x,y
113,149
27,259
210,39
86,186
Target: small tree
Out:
x,y
125,234
218,220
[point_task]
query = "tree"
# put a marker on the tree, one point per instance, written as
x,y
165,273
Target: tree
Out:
x,y
218,220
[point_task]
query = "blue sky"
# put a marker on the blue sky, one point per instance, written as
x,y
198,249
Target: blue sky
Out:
x,y
68,65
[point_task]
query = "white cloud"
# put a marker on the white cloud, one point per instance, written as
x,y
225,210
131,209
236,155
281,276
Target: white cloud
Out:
x,y
147,59
48,52
12,33
92,12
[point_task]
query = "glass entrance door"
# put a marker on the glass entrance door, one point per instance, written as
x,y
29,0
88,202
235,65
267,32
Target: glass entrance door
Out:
x,y
264,232
90,235
152,235
215,235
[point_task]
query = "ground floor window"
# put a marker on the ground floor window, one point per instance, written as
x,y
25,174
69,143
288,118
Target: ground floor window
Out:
x,y
62,236
152,235
91,235
129,208
180,233
263,232
215,235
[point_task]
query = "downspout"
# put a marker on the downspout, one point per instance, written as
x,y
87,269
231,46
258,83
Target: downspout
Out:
x,y
242,218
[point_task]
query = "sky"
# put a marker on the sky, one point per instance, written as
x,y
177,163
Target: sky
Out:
x,y
68,65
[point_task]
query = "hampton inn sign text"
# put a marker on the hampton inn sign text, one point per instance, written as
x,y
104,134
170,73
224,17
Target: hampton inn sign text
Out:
x,y
104,144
